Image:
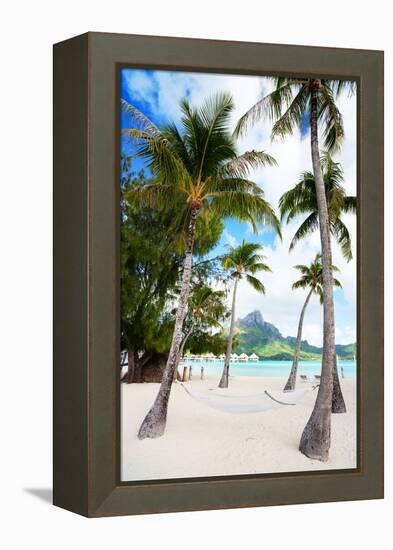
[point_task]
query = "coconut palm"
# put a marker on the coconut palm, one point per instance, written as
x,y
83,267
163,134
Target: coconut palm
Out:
x,y
311,279
302,199
293,102
197,168
242,261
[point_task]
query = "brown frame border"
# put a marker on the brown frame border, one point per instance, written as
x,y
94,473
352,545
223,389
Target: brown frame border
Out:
x,y
86,282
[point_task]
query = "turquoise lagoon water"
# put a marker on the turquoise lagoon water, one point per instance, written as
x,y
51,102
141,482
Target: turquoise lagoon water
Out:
x,y
267,368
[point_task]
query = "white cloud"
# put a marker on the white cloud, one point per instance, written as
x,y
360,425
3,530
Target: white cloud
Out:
x,y
229,238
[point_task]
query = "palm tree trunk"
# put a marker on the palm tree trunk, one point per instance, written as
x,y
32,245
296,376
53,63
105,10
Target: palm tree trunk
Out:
x,y
132,355
315,439
138,370
225,373
186,337
155,421
291,382
176,374
338,403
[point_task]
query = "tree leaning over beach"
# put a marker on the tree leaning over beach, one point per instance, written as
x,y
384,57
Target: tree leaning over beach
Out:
x,y
302,199
293,102
242,261
196,167
311,279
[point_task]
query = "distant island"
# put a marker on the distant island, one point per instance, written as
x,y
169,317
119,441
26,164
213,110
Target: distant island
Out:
x,y
255,335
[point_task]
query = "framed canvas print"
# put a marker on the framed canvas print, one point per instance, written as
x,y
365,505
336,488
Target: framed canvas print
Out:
x,y
218,274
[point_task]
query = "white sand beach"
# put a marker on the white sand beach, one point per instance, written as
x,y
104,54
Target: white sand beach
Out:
x,y
201,441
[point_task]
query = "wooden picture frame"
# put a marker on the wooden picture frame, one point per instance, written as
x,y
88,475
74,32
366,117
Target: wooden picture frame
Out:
x,y
86,275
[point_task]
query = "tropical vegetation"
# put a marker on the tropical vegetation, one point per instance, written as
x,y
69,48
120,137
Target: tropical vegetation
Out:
x,y
311,280
294,102
196,167
243,261
174,290
302,199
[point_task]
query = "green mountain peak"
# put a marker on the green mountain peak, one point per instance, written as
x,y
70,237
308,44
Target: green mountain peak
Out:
x,y
255,335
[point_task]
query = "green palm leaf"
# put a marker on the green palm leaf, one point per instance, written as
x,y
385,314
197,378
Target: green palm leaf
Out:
x,y
301,199
330,116
307,227
343,237
270,106
256,284
312,277
246,260
240,166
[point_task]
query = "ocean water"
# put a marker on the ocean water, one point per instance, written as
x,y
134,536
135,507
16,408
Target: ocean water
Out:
x,y
266,368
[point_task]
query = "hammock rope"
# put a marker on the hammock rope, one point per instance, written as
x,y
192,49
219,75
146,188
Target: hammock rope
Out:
x,y
247,403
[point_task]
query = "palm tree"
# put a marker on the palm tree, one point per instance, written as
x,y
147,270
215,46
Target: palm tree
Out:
x,y
311,278
197,168
243,261
302,199
293,102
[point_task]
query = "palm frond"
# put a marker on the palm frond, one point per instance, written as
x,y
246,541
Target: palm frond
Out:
x,y
339,86
302,268
312,276
251,160
162,160
350,205
259,266
343,237
270,105
171,133
153,195
332,171
309,225
215,116
301,283
142,121
256,284
330,116
293,116
319,292
245,207
231,184
300,199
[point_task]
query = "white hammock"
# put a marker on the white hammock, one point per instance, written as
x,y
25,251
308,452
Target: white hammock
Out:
x,y
248,403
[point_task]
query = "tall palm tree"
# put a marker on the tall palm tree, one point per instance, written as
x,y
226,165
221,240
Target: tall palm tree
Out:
x,y
197,168
311,279
302,199
242,261
293,102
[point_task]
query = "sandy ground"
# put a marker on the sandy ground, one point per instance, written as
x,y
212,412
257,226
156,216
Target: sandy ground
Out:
x,y
201,441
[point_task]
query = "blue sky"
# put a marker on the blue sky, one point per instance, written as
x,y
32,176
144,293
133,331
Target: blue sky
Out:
x,y
157,95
